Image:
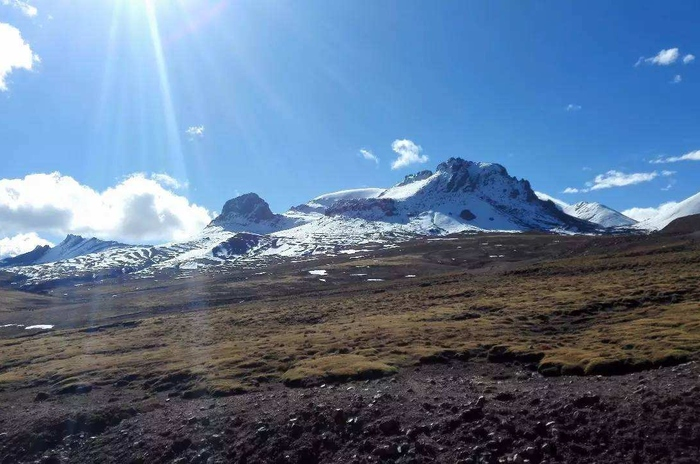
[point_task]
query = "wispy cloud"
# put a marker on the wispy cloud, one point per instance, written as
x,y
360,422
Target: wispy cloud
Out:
x,y
15,53
614,179
409,153
24,7
368,155
195,132
169,182
676,79
669,186
572,107
687,59
663,58
691,156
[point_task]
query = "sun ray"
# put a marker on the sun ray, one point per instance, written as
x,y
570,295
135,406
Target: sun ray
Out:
x,y
174,140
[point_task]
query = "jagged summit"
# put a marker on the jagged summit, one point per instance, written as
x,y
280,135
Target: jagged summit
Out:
x,y
471,176
250,213
249,206
460,195
415,177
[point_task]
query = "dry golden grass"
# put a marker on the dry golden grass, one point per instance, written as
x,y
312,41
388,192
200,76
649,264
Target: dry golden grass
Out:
x,y
602,313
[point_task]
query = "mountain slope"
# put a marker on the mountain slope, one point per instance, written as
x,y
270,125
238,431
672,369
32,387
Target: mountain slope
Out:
x,y
71,247
599,214
687,207
683,225
592,212
559,203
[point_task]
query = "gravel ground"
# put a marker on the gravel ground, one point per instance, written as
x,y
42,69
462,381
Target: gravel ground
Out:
x,y
458,412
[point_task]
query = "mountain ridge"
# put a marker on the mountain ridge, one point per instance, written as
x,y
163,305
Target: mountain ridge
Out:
x,y
71,247
458,197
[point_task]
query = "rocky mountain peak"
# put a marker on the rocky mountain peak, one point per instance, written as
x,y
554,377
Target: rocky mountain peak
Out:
x,y
459,165
486,178
409,179
249,206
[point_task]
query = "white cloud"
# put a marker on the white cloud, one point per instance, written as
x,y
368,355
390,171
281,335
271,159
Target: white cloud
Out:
x,y
169,182
612,179
20,244
195,132
691,156
641,214
24,7
669,186
409,153
15,53
676,79
687,59
137,209
663,58
573,107
368,155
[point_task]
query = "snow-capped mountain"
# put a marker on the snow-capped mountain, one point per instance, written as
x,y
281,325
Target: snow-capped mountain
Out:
x,y
71,247
460,196
599,214
593,212
686,207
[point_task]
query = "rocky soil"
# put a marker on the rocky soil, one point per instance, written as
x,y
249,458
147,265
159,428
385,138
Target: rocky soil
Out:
x,y
455,412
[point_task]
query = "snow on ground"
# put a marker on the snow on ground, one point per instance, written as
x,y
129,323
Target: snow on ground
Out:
x,y
319,272
352,252
39,327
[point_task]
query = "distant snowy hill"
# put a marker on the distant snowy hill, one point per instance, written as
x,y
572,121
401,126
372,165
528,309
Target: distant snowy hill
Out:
x,y
686,207
460,196
592,212
599,214
72,247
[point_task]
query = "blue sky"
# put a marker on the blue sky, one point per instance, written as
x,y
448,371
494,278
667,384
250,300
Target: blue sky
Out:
x,y
281,96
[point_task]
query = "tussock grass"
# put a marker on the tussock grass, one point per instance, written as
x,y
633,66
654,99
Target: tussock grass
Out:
x,y
599,313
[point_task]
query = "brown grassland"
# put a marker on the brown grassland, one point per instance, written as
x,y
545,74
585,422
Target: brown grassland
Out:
x,y
565,305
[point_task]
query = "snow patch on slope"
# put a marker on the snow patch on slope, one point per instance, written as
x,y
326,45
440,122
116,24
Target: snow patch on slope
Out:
x,y
592,212
599,214
665,216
